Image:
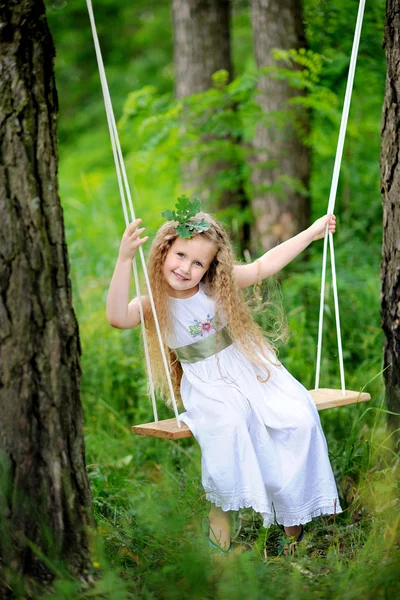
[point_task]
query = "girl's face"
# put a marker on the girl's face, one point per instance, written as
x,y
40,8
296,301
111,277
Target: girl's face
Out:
x,y
186,263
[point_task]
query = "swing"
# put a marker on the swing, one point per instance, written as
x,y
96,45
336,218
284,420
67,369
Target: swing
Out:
x,y
324,398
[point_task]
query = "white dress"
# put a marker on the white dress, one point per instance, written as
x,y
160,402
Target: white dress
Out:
x,y
262,443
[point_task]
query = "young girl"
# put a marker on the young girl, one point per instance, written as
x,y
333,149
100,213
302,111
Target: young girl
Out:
x,y
258,428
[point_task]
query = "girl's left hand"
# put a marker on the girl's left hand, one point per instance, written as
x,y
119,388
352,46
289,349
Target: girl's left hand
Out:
x,y
317,229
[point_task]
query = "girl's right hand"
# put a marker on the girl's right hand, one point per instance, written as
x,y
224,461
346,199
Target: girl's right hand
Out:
x,y
131,240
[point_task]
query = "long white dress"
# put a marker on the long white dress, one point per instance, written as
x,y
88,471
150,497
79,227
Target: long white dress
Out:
x,y
262,443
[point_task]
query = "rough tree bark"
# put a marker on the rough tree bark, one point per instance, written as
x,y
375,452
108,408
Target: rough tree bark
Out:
x,y
390,188
202,47
277,24
45,498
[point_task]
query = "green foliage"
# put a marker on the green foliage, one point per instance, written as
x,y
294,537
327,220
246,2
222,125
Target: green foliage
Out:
x,y
127,33
217,127
185,210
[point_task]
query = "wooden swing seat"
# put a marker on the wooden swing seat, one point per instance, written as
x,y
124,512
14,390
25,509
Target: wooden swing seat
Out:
x,y
323,398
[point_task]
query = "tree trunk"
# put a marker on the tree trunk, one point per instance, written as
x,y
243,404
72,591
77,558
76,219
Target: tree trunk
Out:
x,y
45,498
202,47
278,151
390,187
201,43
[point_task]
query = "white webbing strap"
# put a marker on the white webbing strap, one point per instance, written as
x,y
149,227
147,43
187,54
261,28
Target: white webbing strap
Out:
x,y
135,275
331,206
124,187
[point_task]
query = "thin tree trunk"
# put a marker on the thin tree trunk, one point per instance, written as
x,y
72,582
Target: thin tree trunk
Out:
x,y
278,151
202,47
45,499
390,187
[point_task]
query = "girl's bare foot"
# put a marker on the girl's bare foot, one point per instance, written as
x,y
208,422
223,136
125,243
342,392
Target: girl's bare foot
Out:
x,y
219,528
296,534
294,531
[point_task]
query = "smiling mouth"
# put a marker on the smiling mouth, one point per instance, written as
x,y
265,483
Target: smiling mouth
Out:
x,y
180,277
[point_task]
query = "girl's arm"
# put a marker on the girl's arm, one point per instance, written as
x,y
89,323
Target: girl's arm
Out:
x,y
120,312
274,260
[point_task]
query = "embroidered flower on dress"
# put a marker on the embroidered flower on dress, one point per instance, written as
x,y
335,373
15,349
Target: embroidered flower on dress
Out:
x,y
201,327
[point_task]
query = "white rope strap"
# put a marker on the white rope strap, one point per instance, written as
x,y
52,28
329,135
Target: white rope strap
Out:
x,y
124,187
331,206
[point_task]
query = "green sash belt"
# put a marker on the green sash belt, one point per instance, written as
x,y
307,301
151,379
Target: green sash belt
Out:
x,y
204,348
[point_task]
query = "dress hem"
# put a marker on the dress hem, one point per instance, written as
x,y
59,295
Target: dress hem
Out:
x,y
290,518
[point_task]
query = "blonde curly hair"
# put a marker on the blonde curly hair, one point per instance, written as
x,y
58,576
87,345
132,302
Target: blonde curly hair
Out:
x,y
221,285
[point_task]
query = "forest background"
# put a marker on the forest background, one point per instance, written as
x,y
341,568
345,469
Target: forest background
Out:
x,y
147,493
